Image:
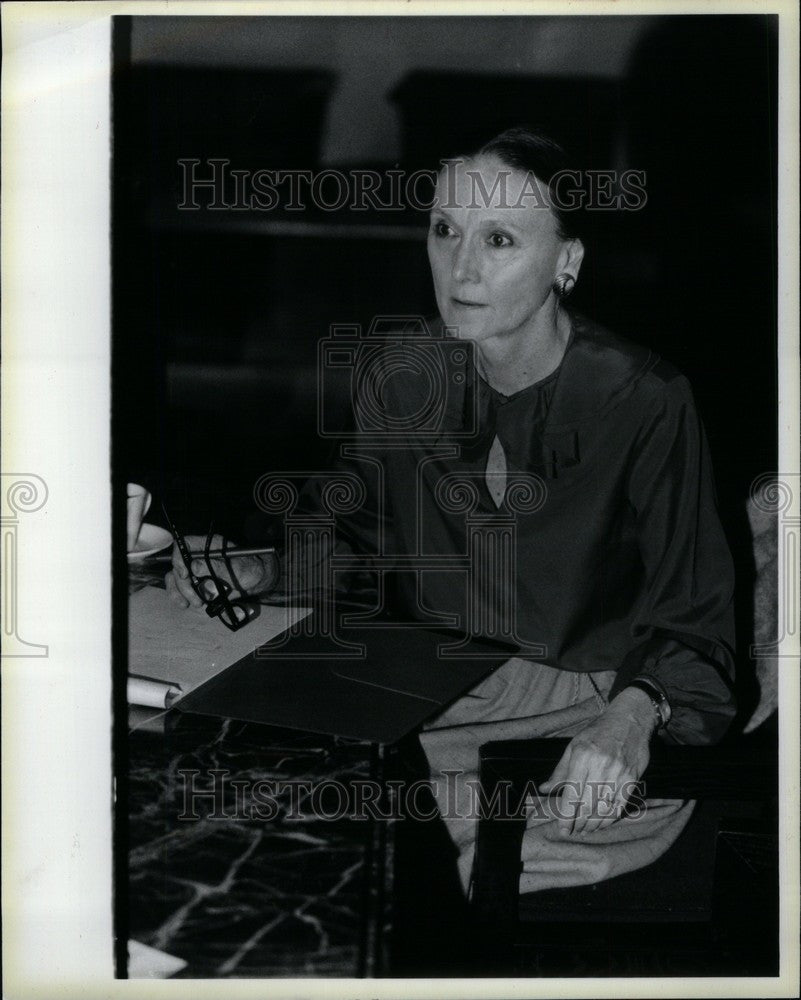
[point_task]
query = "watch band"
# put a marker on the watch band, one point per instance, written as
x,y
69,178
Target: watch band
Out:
x,y
658,699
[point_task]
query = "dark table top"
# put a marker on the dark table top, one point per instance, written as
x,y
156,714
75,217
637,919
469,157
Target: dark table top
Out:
x,y
247,853
246,857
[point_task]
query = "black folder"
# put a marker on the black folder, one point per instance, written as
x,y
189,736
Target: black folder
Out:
x,y
371,683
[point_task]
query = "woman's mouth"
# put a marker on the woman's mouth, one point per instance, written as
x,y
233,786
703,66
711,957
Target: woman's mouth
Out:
x,y
467,303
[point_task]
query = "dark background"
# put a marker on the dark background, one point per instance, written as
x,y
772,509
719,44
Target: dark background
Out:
x,y
217,315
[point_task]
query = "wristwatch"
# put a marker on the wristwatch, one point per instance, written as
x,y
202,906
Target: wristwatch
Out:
x,y
658,699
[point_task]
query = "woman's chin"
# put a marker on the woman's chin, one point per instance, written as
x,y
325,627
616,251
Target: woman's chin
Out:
x,y
466,329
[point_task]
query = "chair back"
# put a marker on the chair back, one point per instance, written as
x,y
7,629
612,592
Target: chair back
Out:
x,y
764,524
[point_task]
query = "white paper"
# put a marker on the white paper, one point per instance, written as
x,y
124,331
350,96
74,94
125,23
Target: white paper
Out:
x,y
145,962
185,647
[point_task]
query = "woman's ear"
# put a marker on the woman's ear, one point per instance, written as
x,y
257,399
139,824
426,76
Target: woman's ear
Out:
x,y
571,257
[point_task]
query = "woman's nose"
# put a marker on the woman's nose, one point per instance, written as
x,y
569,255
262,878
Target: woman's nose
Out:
x,y
465,265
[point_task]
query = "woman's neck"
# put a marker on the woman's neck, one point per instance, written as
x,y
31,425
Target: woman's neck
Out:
x,y
515,361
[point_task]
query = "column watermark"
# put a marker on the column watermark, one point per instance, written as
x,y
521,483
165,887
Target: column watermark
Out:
x,y
22,494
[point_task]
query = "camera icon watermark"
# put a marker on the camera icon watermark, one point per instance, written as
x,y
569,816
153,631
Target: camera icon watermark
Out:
x,y
401,380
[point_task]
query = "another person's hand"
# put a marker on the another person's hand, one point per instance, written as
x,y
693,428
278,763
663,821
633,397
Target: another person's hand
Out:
x,y
248,574
597,772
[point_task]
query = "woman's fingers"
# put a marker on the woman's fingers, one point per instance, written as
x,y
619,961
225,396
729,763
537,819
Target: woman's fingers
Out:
x,y
178,583
573,801
607,798
566,783
602,797
604,809
241,574
591,791
590,770
602,824
173,591
596,774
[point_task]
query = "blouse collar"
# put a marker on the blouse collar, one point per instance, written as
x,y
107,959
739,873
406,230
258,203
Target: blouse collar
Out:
x,y
596,371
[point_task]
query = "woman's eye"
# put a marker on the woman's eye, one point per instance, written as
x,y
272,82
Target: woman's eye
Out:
x,y
442,229
500,240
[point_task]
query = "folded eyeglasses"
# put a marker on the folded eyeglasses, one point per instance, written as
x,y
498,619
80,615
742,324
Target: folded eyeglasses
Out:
x,y
215,593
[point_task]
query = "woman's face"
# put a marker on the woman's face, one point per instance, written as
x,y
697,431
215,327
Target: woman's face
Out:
x,y
494,248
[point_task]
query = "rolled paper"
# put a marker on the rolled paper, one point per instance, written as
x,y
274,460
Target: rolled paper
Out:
x,y
150,693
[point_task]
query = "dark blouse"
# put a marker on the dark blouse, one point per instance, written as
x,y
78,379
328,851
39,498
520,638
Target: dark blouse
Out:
x,y
619,561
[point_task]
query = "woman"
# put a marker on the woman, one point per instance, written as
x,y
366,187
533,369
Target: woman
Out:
x,y
622,582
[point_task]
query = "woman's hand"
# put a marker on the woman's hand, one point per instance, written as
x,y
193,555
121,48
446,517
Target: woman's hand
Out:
x,y
601,763
248,574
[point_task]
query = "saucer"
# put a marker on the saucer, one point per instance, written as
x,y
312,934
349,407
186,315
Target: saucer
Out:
x,y
152,539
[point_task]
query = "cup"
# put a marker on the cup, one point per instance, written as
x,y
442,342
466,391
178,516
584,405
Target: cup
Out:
x,y
138,505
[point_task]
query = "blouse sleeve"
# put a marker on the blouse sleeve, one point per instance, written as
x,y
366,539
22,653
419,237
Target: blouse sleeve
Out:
x,y
685,620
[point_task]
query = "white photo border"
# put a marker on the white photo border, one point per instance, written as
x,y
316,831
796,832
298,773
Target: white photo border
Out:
x,y
57,778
